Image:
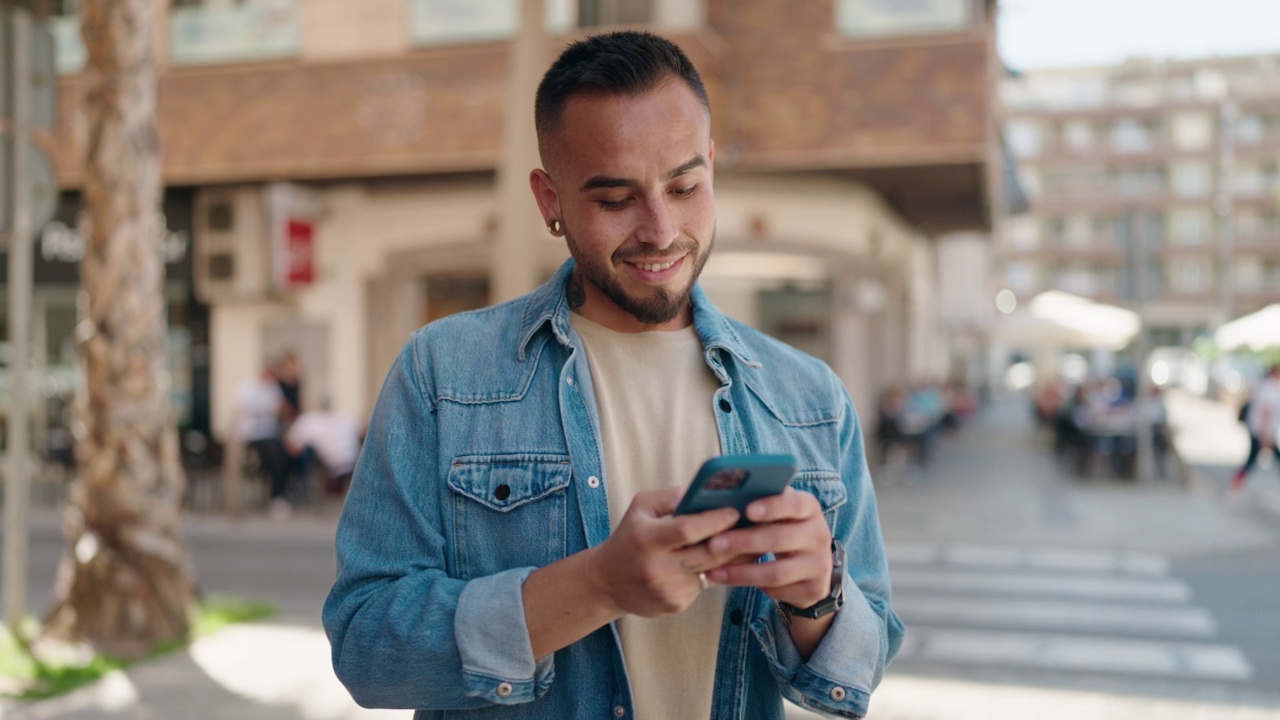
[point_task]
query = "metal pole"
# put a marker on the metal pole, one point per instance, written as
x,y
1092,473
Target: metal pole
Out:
x,y
17,483
1142,407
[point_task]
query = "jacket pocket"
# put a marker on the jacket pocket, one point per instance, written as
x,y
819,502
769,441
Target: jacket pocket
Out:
x,y
508,512
827,487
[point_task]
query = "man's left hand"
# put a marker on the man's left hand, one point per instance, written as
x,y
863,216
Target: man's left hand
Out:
x,y
791,526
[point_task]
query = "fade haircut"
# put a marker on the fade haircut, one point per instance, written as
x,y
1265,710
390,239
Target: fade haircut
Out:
x,y
618,63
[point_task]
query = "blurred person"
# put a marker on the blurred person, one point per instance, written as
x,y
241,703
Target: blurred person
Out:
x,y
288,371
259,404
330,436
1263,421
508,548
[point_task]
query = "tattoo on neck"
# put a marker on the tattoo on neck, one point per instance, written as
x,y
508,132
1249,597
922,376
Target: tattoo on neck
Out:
x,y
576,292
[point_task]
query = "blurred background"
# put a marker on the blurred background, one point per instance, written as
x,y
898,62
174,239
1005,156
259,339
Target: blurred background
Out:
x,y
1039,241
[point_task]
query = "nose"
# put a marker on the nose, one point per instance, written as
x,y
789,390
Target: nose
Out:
x,y
658,227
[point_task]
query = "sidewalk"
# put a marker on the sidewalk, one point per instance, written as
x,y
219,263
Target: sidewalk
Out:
x,y
989,484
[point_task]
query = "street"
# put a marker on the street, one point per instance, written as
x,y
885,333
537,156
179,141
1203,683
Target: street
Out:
x,y
1026,592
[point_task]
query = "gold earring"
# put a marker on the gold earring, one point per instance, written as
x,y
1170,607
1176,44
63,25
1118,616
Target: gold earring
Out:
x,y
553,226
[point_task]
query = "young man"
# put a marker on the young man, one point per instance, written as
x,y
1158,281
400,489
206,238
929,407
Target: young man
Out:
x,y
1263,421
508,545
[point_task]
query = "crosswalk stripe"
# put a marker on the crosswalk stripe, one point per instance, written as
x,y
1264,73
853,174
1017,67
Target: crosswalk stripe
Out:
x,y
1005,556
1094,587
1079,653
1159,620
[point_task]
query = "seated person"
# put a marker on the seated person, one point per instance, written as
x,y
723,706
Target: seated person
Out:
x,y
330,436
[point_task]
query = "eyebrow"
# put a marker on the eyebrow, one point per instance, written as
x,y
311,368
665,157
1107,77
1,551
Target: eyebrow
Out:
x,y
604,181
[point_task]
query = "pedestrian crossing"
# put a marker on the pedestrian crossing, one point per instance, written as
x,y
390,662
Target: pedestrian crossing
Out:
x,y
1071,611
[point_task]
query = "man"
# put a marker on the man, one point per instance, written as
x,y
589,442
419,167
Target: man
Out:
x,y
508,545
1263,421
329,436
258,411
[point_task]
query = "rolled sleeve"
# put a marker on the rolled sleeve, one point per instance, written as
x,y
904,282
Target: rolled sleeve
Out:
x,y
843,670
493,641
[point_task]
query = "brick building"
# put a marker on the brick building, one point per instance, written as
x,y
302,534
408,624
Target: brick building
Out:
x,y
344,162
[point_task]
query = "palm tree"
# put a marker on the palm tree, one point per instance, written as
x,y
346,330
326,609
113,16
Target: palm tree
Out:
x,y
125,585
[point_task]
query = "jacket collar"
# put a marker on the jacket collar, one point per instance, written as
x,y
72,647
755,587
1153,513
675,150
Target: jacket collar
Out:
x,y
547,306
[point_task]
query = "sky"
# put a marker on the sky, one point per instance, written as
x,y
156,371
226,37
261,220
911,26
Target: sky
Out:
x,y
1037,34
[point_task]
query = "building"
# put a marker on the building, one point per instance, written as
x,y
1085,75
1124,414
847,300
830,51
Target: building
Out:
x,y
345,168
1172,167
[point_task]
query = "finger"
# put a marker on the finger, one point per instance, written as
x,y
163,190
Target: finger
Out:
x,y
807,569
790,504
658,503
779,538
685,530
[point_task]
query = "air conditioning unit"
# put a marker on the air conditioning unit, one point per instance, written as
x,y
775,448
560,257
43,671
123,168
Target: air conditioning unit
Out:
x,y
232,251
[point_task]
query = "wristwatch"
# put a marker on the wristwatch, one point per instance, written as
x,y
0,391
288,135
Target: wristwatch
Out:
x,y
833,601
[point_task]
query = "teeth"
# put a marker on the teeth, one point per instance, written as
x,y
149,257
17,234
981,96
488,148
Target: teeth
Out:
x,y
655,267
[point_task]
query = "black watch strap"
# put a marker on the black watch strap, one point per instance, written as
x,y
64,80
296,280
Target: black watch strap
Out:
x,y
834,600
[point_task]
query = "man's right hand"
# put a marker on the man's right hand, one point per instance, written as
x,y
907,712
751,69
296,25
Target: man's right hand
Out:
x,y
649,566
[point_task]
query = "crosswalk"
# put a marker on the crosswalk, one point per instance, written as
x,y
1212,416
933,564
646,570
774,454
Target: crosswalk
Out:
x,y
1068,611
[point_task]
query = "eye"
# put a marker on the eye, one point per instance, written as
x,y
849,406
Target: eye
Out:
x,y
685,192
613,204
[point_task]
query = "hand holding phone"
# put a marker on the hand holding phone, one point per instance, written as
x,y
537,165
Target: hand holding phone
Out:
x,y
736,481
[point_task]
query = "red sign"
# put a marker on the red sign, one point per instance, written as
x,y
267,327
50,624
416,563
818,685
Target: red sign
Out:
x,y
300,266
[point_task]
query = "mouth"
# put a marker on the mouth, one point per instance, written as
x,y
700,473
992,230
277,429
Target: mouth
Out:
x,y
652,270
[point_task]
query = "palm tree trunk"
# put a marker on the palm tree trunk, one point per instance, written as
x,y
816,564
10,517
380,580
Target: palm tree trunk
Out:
x,y
125,584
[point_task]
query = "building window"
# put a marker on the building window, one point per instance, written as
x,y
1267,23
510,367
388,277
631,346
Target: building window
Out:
x,y
1192,130
1023,137
595,13
1249,274
215,32
1021,277
1190,226
1140,181
1129,135
1077,135
1250,128
1022,233
1191,179
1189,276
895,18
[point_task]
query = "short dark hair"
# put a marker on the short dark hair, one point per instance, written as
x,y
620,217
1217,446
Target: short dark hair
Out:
x,y
617,63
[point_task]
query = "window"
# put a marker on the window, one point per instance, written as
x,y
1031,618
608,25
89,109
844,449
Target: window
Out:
x,y
1023,137
1248,179
594,13
1191,276
890,18
1077,135
1140,181
213,32
1078,231
1130,135
1022,233
1192,130
1191,179
1190,226
1021,277
1249,273
1250,128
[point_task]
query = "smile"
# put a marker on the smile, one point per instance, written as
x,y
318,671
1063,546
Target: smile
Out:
x,y
656,267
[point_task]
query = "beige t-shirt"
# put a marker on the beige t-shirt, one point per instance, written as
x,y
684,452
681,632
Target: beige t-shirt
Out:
x,y
654,392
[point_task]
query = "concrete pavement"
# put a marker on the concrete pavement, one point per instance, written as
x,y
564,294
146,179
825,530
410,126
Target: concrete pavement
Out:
x,y
990,489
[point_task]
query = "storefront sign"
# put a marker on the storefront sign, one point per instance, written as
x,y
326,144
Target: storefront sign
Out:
x,y
59,243
291,212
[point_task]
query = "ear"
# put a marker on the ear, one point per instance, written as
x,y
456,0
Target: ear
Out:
x,y
544,192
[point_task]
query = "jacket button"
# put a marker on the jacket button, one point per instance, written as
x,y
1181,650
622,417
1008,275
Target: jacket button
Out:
x,y
502,492
837,693
725,406
735,617
504,689
619,711
593,481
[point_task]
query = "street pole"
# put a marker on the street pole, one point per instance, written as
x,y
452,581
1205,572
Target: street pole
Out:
x,y
1143,409
17,482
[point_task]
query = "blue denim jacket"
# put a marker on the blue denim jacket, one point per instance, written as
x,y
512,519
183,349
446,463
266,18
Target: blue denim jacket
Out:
x,y
483,462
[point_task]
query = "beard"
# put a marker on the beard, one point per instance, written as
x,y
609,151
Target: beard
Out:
x,y
658,305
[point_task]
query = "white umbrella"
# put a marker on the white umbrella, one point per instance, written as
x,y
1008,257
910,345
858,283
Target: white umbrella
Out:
x,y
1056,318
1258,330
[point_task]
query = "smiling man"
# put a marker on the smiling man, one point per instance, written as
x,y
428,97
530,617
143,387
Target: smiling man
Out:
x,y
509,547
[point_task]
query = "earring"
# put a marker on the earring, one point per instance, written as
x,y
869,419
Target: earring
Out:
x,y
553,226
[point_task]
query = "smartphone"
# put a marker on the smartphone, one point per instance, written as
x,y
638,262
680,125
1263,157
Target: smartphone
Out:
x,y
735,481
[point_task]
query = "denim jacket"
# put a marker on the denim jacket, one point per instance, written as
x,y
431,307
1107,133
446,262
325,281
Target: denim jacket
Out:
x,y
483,462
